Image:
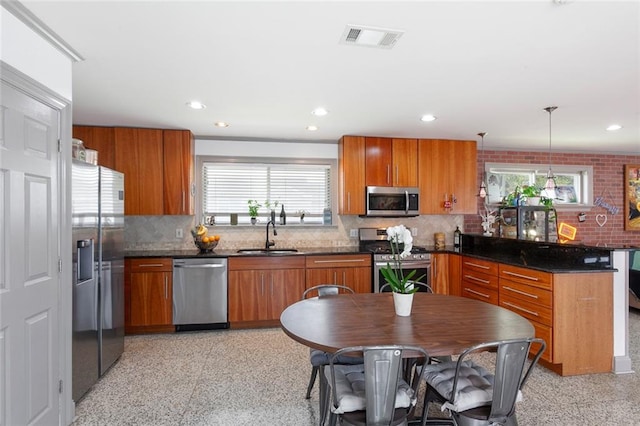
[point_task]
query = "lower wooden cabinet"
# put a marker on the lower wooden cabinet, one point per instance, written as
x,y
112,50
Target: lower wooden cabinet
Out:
x,y
351,270
479,280
261,287
440,273
148,295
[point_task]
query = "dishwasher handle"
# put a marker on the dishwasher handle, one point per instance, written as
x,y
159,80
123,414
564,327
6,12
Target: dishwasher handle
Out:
x,y
204,266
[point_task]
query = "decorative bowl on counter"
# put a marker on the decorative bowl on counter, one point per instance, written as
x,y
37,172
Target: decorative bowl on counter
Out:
x,y
205,243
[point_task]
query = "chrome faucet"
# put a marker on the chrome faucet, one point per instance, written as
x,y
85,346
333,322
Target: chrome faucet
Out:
x,y
272,221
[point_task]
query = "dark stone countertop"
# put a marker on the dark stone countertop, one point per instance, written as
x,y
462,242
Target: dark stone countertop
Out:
x,y
195,253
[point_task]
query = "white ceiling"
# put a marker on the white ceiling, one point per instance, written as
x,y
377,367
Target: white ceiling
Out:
x,y
264,66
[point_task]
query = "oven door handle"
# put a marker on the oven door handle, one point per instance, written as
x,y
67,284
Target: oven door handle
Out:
x,y
407,264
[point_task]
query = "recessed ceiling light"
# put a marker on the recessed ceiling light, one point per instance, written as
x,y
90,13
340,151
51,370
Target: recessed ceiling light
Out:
x,y
312,128
614,127
221,124
196,105
428,117
319,112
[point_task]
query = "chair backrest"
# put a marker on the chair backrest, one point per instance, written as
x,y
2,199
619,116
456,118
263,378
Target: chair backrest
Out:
x,y
327,290
383,372
511,373
424,287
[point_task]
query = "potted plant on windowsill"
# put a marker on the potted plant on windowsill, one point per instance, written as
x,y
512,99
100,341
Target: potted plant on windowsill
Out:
x,y
532,195
401,284
254,206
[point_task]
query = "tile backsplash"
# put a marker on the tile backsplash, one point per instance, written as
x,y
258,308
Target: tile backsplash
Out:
x,y
159,232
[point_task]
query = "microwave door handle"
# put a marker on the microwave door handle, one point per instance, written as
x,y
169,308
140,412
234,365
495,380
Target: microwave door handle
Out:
x,y
406,202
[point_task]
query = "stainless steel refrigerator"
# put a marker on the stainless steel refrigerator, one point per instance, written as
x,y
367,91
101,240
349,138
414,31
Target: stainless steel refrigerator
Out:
x,y
97,199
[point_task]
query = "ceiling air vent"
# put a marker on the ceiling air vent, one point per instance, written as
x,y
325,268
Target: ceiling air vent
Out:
x,y
358,35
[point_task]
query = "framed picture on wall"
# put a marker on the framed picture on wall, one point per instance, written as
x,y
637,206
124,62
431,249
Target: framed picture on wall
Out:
x,y
632,197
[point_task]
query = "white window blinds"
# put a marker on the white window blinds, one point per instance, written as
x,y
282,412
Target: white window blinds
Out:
x,y
227,187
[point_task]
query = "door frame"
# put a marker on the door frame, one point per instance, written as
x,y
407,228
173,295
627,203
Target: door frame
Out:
x,y
34,89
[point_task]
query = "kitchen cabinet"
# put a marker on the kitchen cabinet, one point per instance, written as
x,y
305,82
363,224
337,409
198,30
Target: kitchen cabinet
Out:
x,y
479,279
391,162
351,270
447,171
455,274
573,313
178,177
139,155
101,139
261,287
440,273
148,295
351,171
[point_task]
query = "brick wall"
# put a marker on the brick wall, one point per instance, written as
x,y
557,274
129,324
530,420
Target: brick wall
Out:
x,y
608,182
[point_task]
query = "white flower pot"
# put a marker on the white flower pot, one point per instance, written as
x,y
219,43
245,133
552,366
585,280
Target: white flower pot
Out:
x,y
402,304
533,201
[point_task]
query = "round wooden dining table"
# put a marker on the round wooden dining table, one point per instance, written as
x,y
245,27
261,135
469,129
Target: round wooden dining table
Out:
x,y
442,325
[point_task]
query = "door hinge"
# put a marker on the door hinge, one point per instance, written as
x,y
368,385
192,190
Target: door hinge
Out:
x,y
60,386
59,265
59,145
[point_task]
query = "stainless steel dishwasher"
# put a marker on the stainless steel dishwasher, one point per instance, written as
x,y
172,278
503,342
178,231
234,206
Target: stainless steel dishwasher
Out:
x,y
200,294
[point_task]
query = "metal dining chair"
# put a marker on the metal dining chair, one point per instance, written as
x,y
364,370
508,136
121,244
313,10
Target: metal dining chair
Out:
x,y
319,359
473,395
377,392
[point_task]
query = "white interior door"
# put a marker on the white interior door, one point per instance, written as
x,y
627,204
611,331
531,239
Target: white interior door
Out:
x,y
29,253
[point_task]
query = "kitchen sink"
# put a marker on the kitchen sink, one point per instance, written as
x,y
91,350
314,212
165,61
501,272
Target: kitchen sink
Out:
x,y
265,251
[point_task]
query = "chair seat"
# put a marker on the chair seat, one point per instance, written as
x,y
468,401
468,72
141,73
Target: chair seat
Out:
x,y
350,389
475,384
318,358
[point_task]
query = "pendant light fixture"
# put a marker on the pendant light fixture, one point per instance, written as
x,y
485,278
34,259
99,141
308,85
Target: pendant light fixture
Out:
x,y
482,192
550,185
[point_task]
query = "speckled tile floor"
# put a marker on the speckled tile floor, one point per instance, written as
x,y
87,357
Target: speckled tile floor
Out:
x,y
259,377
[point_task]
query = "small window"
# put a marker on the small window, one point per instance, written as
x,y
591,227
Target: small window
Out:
x,y
574,186
227,186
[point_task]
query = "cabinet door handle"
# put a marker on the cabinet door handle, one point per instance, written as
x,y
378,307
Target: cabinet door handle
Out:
x,y
388,173
480,280
486,296
339,261
344,278
271,284
521,309
183,203
526,277
524,293
150,265
335,277
397,177
348,201
475,265
166,287
262,283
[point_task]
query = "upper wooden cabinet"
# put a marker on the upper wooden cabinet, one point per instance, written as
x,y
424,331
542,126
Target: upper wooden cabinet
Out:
x,y
391,162
178,146
447,170
140,156
102,139
158,166
351,169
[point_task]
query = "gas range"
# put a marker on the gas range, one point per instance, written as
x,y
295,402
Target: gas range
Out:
x,y
374,240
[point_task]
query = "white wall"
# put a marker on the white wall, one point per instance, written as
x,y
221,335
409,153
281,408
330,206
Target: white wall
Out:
x,y
266,149
26,51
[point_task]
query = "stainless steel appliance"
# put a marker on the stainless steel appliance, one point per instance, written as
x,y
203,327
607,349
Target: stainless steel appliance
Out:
x,y
200,293
97,200
375,240
392,201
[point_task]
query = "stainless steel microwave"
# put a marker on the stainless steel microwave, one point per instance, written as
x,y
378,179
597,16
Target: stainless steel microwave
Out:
x,y
392,201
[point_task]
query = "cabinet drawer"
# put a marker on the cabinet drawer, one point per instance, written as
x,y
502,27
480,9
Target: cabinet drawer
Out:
x,y
342,261
526,276
541,314
479,265
485,280
266,262
151,264
545,333
527,293
477,292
